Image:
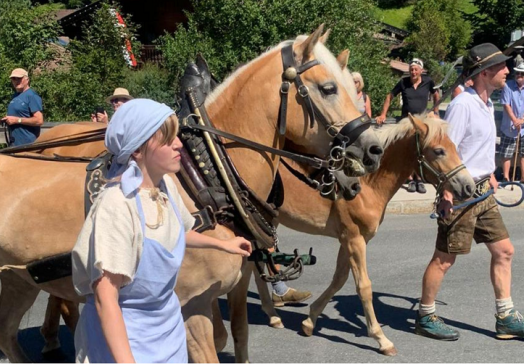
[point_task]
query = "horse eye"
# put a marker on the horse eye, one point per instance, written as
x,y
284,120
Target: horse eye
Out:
x,y
439,151
328,89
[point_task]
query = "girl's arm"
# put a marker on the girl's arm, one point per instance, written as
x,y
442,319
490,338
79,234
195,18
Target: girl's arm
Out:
x,y
106,291
368,106
237,245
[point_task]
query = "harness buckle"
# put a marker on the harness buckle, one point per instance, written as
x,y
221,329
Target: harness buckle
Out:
x,y
303,91
284,88
332,131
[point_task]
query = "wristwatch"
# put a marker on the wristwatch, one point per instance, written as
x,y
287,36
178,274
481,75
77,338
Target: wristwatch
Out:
x,y
19,120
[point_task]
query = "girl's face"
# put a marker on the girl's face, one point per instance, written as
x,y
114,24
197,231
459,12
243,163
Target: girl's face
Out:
x,y
162,159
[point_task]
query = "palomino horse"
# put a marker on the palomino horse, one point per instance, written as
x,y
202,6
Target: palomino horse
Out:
x,y
49,195
356,222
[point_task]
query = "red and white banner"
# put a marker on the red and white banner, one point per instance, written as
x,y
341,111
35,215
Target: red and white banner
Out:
x,y
126,48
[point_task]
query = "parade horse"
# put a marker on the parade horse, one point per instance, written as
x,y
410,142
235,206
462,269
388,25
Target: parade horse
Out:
x,y
42,208
412,144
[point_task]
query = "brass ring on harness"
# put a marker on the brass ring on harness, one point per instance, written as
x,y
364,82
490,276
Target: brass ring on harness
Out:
x,y
328,183
323,192
333,166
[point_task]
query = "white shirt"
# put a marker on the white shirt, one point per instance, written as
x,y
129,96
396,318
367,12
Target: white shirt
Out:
x,y
112,237
472,129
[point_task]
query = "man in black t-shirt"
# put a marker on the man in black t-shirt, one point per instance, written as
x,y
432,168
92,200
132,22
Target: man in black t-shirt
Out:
x,y
415,91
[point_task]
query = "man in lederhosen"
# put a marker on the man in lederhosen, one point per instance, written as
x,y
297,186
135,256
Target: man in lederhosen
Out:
x,y
472,129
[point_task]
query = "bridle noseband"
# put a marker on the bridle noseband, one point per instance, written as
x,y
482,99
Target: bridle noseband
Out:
x,y
441,177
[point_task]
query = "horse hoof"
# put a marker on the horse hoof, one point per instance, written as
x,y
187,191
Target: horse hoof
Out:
x,y
390,351
307,327
276,322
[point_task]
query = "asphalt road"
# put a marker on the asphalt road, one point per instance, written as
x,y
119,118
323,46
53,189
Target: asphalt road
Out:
x,y
397,257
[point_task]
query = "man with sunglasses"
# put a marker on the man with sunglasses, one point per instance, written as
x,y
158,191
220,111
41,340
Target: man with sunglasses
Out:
x,y
120,96
415,91
24,113
512,100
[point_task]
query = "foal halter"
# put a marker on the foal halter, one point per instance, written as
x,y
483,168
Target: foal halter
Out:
x,y
441,177
343,137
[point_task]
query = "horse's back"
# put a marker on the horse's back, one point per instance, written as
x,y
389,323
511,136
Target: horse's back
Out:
x,y
61,132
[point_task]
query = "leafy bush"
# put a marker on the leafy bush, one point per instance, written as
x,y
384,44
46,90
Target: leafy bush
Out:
x,y
150,82
229,33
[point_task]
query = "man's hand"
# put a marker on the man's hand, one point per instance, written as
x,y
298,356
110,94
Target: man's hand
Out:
x,y
518,122
99,118
380,119
493,183
10,120
445,206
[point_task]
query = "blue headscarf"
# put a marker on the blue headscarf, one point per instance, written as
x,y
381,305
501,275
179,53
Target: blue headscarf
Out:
x,y
131,126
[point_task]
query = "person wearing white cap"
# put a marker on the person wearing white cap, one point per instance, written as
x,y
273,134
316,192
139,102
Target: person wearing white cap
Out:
x,y
130,249
512,101
414,90
24,113
119,97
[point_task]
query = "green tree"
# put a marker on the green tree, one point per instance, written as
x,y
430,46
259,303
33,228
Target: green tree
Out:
x,y
439,32
229,33
494,20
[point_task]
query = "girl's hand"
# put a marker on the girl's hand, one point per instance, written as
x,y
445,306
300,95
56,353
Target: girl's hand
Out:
x,y
238,245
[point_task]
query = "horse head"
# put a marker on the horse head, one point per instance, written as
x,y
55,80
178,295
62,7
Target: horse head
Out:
x,y
438,160
326,122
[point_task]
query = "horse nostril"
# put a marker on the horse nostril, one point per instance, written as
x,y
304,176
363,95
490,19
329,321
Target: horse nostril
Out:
x,y
355,187
376,150
469,189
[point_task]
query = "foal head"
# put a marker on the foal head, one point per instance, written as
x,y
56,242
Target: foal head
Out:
x,y
438,160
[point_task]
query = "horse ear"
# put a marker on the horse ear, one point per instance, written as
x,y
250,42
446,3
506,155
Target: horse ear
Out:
x,y
305,49
417,123
343,58
323,39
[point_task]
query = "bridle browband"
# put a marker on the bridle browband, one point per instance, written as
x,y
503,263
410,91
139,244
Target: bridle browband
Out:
x,y
441,177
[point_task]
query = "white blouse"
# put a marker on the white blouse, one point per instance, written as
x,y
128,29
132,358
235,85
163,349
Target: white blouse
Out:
x,y
112,238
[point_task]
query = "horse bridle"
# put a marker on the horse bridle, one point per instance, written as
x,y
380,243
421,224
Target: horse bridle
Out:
x,y
343,137
441,177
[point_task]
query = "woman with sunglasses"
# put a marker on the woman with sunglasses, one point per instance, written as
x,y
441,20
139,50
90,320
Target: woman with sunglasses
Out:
x,y
120,96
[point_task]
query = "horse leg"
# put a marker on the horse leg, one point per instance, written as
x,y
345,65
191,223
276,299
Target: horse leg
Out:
x,y
358,263
339,279
70,313
219,330
267,302
199,331
237,303
51,325
16,297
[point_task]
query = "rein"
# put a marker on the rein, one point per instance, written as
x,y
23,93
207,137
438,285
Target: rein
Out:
x,y
311,161
480,198
84,137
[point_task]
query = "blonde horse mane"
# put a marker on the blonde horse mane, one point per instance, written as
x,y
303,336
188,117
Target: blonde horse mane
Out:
x,y
322,54
389,133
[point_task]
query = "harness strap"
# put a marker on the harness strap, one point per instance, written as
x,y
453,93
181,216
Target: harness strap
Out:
x,y
311,161
292,73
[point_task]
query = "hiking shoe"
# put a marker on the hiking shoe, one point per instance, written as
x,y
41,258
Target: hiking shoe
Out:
x,y
421,188
291,296
412,186
434,327
510,326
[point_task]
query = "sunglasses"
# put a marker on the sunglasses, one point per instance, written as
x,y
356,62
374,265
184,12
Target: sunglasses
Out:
x,y
117,100
416,62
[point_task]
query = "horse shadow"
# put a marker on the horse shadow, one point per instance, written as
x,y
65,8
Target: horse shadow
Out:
x,y
32,343
351,320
